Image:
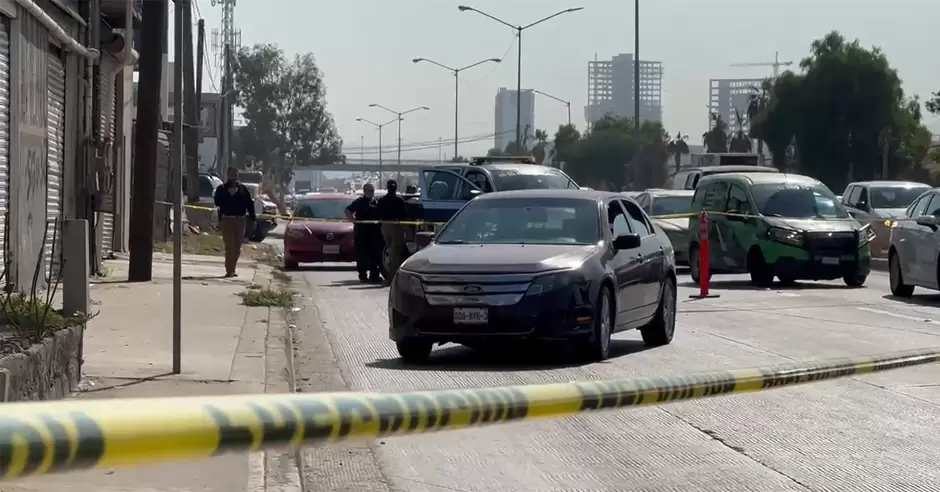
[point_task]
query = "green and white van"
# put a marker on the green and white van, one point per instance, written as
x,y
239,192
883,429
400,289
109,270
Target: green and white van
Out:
x,y
777,225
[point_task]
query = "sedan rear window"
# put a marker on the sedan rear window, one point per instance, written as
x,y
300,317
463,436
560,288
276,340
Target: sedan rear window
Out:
x,y
524,221
533,178
895,196
327,208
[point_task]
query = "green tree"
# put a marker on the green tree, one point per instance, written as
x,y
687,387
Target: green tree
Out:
x,y
845,114
494,152
740,143
677,147
715,139
756,105
566,143
541,140
284,104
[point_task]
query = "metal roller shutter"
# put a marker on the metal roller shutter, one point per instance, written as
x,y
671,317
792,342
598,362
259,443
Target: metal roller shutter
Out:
x,y
4,133
56,142
108,112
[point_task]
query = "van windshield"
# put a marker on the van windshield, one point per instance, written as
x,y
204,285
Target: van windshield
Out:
x,y
797,201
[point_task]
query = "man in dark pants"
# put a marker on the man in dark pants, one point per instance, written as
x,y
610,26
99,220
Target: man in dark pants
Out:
x,y
392,208
367,237
234,202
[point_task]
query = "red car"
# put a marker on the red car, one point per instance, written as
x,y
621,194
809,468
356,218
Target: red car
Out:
x,y
311,241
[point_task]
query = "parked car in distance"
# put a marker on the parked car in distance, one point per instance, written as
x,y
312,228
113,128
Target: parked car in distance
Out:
x,y
914,250
311,241
689,179
536,265
867,200
663,206
774,224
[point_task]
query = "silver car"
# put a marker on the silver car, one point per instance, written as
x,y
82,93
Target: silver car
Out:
x,y
669,211
915,246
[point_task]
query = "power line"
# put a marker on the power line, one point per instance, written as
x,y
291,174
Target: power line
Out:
x,y
435,145
430,144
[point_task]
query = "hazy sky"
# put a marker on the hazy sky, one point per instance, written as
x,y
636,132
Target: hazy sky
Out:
x,y
365,48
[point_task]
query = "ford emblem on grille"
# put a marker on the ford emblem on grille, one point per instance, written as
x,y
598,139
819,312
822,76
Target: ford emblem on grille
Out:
x,y
472,289
329,236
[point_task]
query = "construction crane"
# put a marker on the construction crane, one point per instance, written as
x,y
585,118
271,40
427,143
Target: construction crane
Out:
x,y
776,64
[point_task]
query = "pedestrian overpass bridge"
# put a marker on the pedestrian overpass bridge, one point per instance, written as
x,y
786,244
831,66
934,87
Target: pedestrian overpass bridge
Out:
x,y
372,165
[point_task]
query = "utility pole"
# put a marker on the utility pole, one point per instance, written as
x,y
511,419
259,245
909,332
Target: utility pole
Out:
x,y
191,128
140,244
226,44
179,116
200,63
636,71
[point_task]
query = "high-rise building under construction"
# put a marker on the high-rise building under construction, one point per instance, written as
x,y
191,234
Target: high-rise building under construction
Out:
x,y
611,89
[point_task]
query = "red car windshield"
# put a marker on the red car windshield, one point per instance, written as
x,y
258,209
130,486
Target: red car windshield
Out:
x,y
326,208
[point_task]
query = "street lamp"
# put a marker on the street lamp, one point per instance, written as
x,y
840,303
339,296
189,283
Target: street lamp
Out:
x,y
518,29
379,128
398,115
566,103
456,72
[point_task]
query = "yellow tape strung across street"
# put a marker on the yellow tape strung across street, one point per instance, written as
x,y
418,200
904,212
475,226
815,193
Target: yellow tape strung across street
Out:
x,y
41,438
306,219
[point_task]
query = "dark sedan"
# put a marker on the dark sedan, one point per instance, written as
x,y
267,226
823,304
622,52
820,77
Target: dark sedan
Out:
x,y
540,265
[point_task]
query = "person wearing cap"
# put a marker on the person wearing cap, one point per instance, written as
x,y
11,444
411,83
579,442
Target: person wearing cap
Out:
x,y
367,237
234,202
392,208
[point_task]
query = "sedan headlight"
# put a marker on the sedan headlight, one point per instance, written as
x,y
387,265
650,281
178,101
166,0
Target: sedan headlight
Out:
x,y
294,233
552,281
865,235
409,282
787,236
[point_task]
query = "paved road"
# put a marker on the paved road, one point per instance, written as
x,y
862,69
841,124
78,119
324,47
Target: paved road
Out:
x,y
872,433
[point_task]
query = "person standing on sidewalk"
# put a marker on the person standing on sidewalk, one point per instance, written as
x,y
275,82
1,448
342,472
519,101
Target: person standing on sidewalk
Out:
x,y
367,238
392,208
234,203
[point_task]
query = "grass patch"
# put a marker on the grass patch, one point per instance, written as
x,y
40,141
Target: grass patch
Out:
x,y
30,320
211,244
266,297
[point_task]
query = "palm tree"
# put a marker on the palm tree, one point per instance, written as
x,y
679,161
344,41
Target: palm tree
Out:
x,y
740,142
715,140
676,147
757,104
541,140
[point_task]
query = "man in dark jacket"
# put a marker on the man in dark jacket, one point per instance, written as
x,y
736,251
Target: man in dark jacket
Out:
x,y
367,237
234,203
392,208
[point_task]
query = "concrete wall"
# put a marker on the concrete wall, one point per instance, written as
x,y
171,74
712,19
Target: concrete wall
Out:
x,y
46,371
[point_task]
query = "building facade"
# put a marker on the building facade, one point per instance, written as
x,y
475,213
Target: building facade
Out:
x,y
611,89
57,161
727,95
505,130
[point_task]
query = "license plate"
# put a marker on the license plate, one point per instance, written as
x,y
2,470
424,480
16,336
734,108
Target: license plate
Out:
x,y
331,250
471,316
830,260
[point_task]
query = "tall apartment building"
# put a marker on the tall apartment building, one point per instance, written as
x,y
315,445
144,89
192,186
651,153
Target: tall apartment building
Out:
x,y
505,131
726,95
611,89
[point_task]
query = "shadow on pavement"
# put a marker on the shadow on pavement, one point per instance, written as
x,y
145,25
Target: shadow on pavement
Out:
x,y
125,384
926,300
529,358
747,285
326,268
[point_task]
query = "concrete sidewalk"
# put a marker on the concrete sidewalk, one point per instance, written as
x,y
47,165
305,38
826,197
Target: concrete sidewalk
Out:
x,y
227,348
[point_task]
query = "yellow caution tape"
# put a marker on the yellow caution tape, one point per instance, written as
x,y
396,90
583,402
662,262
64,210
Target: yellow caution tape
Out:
x,y
41,438
291,218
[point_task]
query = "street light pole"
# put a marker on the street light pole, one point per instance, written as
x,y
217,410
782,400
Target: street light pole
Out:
x,y
379,128
399,115
456,72
566,103
518,29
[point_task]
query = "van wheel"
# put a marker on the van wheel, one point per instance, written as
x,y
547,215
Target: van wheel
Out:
x,y
695,266
762,275
854,279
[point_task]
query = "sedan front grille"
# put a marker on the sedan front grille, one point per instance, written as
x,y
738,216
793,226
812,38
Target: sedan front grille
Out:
x,y
486,290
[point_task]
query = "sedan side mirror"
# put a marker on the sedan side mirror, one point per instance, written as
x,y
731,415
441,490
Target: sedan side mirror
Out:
x,y
928,221
423,239
627,241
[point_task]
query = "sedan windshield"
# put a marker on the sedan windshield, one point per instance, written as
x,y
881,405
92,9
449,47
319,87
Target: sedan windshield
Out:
x,y
895,196
669,205
797,201
327,208
536,177
524,221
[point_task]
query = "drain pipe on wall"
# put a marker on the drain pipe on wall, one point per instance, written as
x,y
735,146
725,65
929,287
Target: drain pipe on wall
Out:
x,y
129,55
68,42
